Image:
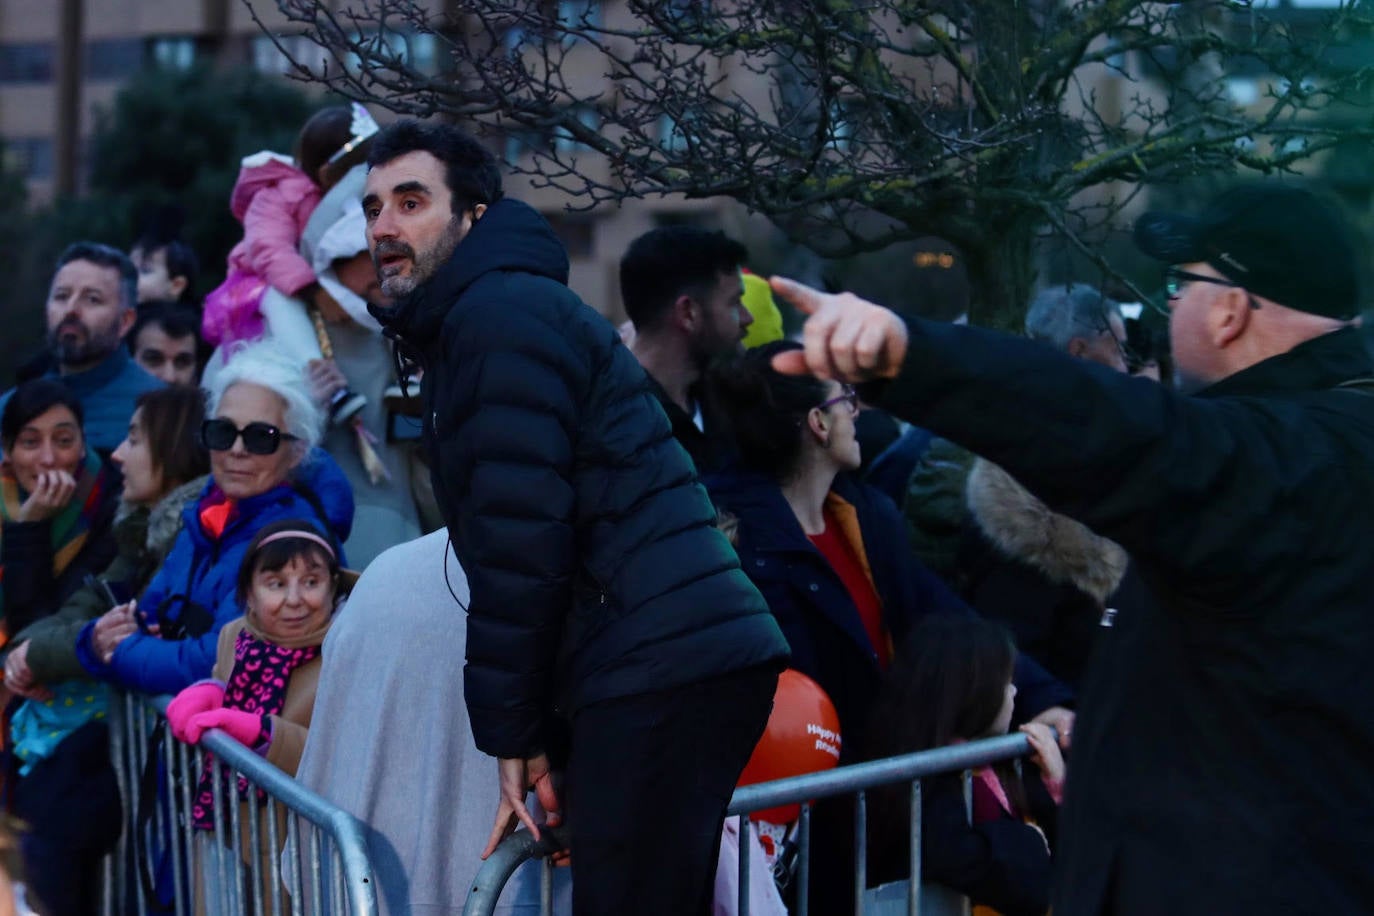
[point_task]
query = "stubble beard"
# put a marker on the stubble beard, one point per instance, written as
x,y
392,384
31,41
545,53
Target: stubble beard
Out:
x,y
426,263
91,348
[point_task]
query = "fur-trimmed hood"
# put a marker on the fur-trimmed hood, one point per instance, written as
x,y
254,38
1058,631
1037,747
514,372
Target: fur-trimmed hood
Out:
x,y
1024,528
150,532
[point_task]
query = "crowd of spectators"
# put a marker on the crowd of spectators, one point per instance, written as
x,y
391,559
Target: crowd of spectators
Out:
x,y
172,519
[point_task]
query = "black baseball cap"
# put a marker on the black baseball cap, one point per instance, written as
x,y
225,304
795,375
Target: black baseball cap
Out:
x,y
1284,244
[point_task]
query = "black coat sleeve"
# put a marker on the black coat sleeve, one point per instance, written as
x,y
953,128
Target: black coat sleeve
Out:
x,y
506,425
32,592
1128,457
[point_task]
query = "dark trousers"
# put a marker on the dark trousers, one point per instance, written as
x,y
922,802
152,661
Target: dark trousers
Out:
x,y
648,781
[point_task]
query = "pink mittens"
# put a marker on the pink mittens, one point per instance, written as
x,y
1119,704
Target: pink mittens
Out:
x,y
200,697
243,727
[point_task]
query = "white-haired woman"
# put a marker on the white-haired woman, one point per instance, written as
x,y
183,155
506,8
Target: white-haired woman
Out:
x,y
261,429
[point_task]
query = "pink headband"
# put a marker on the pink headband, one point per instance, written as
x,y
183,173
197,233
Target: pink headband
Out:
x,y
299,533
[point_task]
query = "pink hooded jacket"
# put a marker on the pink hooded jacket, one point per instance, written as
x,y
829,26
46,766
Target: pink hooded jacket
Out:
x,y
273,199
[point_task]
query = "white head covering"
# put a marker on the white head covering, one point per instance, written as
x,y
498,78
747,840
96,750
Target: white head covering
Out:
x,y
337,229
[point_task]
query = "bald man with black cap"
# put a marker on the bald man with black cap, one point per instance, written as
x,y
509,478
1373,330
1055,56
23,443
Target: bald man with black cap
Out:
x,y
1223,757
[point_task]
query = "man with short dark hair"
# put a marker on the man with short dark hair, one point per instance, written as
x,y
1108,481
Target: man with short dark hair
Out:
x,y
602,592
167,269
1221,755
165,342
681,286
89,311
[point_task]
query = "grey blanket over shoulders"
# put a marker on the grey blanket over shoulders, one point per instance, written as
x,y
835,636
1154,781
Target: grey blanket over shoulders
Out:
x,y
391,742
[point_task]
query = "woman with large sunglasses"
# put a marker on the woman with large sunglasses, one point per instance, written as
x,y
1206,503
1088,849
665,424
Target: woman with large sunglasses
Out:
x,y
261,429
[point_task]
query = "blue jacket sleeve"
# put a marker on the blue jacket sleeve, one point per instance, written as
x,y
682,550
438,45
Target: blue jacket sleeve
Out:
x,y
155,665
85,653
149,602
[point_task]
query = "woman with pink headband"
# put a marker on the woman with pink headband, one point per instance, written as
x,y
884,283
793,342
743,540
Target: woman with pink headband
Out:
x,y
262,689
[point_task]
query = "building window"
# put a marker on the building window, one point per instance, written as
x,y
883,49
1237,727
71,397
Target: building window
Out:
x,y
32,157
687,14
521,141
27,63
269,59
172,52
674,134
578,15
575,231
416,50
563,141
113,59
843,121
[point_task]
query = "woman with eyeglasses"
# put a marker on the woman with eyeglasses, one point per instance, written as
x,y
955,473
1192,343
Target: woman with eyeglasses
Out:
x,y
831,557
260,430
827,552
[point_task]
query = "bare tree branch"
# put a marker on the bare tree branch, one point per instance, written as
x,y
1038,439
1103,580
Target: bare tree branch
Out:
x,y
855,123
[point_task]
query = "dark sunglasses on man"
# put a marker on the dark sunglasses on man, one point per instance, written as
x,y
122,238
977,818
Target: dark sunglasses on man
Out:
x,y
219,434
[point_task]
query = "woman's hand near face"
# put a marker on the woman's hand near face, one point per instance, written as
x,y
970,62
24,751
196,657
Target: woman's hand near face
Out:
x,y
51,493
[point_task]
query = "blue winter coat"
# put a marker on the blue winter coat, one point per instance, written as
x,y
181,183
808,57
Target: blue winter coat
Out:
x,y
195,589
814,608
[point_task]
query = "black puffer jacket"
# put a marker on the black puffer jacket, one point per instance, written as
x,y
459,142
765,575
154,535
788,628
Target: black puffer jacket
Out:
x,y
591,550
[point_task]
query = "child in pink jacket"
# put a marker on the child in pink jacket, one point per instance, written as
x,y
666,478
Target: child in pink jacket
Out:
x,y
269,284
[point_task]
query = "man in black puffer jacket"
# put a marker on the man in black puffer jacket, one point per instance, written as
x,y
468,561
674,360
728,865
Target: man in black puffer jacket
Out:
x,y
601,590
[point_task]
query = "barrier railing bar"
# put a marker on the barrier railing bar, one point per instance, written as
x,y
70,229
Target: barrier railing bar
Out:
x,y
849,779
546,887
968,814
255,843
745,848
338,894
345,830
169,761
217,848
913,895
316,865
236,835
293,858
860,849
509,855
804,860
274,843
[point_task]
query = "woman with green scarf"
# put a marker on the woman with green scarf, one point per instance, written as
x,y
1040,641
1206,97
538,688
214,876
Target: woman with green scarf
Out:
x,y
57,504
67,790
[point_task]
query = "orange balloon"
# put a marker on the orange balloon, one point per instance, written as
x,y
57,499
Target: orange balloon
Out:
x,y
802,736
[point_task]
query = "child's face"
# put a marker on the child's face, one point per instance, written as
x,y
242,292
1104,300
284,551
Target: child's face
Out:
x,y
1003,723
153,280
292,601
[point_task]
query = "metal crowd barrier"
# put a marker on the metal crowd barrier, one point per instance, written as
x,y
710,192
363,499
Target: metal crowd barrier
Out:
x,y
853,780
296,854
